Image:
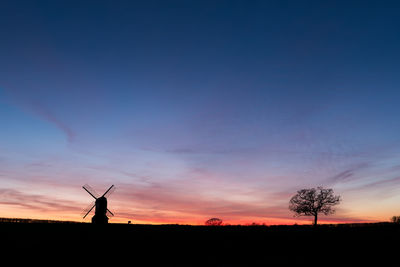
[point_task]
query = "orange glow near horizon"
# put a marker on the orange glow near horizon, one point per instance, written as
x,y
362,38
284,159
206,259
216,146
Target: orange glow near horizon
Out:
x,y
156,205
196,222
200,221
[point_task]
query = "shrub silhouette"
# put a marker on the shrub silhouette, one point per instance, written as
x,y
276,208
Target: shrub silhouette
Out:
x,y
213,222
395,219
311,202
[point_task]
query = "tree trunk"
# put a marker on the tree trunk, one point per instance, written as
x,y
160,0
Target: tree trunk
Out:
x,y
315,219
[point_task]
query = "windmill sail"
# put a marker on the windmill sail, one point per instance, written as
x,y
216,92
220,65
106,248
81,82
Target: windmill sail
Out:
x,y
86,211
109,191
109,213
91,191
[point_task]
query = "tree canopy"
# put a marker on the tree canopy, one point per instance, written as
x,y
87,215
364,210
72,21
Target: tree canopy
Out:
x,y
311,202
213,222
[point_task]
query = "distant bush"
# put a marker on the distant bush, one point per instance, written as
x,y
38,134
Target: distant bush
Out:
x,y
213,222
395,219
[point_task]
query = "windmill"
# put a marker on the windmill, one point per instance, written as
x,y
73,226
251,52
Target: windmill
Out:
x,y
101,211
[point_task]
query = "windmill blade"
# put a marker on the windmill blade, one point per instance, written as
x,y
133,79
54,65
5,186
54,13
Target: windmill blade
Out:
x,y
109,191
109,213
88,209
91,191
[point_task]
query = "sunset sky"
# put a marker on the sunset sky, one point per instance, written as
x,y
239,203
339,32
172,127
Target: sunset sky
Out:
x,y
199,109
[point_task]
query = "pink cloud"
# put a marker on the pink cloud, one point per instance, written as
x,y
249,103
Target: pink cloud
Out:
x,y
37,203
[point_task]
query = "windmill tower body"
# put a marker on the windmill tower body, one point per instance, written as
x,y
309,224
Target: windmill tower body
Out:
x,y
100,216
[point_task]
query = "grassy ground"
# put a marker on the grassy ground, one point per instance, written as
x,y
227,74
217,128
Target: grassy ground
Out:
x,y
173,245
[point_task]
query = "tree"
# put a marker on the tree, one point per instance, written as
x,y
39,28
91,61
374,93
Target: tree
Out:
x,y
311,202
395,219
213,222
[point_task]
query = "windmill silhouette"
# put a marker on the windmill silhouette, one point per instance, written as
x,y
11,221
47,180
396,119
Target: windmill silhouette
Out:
x,y
101,211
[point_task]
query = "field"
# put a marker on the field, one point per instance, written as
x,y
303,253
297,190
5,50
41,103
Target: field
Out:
x,y
173,245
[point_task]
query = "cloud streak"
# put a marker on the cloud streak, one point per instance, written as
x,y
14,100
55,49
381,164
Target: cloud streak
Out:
x,y
38,203
46,114
349,174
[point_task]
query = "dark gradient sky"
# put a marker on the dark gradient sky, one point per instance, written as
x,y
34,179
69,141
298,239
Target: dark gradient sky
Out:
x,y
199,109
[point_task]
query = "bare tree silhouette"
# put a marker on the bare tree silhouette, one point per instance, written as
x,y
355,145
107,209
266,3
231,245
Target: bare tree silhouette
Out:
x,y
395,219
311,202
213,222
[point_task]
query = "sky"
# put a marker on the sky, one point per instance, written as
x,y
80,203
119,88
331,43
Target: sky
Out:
x,y
199,109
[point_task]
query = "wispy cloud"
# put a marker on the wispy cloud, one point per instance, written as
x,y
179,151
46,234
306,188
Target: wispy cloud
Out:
x,y
381,184
185,202
32,103
348,174
45,113
37,202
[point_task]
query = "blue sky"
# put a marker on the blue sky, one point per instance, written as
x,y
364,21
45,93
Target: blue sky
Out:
x,y
197,109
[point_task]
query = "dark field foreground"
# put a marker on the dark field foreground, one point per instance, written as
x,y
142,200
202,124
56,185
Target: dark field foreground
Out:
x,y
170,245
